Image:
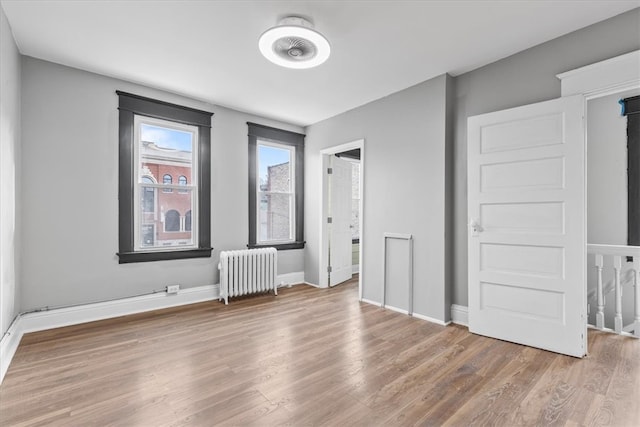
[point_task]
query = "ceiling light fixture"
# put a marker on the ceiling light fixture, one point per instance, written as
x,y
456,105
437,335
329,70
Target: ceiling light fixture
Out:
x,y
293,43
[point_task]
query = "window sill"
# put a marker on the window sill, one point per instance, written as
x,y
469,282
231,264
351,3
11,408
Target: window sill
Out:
x,y
280,247
131,257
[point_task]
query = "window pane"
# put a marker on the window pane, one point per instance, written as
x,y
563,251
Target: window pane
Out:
x,y
274,169
166,154
169,224
275,217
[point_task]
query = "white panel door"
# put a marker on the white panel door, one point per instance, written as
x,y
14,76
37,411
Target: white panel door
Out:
x,y
340,227
527,225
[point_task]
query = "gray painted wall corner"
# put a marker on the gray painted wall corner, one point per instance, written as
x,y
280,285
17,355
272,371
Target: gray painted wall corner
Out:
x,y
10,147
449,196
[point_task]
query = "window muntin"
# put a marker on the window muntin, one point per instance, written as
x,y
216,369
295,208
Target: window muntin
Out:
x,y
276,192
164,148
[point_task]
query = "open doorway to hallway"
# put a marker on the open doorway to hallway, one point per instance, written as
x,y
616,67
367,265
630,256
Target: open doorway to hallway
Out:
x,y
342,215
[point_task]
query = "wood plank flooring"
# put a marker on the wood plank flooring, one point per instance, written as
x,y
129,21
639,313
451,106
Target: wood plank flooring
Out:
x,y
309,357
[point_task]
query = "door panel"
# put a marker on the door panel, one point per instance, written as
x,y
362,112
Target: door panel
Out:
x,y
340,228
527,239
530,217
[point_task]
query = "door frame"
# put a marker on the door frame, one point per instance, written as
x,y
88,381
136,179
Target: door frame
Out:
x,y
323,257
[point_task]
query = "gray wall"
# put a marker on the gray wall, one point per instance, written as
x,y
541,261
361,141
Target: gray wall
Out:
x,y
525,78
70,200
607,171
404,187
9,171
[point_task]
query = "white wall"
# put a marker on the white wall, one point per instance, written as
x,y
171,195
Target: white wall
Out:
x,y
9,171
607,171
525,78
404,187
70,200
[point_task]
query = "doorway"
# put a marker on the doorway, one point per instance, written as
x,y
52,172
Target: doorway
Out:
x,y
342,214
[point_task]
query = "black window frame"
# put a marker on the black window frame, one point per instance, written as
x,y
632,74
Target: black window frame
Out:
x,y
130,105
284,137
631,109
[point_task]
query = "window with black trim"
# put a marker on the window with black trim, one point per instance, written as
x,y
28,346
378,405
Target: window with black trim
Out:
x,y
276,188
157,141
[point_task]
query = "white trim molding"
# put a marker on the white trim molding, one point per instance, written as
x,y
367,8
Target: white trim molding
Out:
x,y
368,301
460,314
404,311
8,346
610,76
323,243
431,319
397,310
290,279
57,318
67,316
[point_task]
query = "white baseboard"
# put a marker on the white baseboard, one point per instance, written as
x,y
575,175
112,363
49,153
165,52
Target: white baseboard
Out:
x,y
430,319
368,301
355,269
460,314
56,318
60,317
396,309
289,279
403,311
8,346
311,284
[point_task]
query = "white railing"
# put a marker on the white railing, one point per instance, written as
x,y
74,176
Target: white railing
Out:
x,y
631,278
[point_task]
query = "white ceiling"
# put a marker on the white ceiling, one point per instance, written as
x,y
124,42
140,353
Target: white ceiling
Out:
x,y
208,50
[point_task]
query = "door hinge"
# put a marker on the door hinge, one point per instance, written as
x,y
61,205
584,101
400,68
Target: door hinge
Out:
x,y
329,220
329,269
329,171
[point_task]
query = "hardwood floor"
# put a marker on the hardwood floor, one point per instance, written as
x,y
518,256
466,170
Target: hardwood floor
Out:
x,y
309,357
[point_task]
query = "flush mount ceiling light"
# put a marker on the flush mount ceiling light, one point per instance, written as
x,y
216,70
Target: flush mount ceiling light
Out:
x,y
293,43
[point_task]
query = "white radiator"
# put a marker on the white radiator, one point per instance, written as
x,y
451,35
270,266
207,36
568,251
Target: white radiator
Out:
x,y
247,271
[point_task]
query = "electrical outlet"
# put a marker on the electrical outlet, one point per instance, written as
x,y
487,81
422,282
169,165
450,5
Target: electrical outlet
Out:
x,y
173,289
